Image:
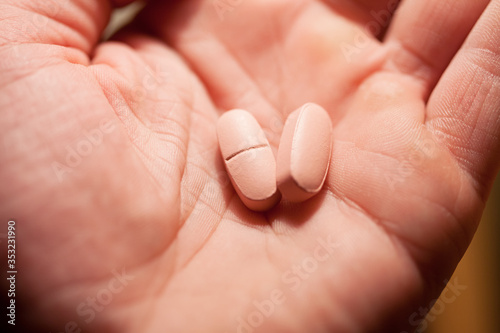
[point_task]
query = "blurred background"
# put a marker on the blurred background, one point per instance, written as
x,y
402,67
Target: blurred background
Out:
x,y
477,308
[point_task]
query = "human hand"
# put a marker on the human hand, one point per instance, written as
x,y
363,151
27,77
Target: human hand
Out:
x,y
111,165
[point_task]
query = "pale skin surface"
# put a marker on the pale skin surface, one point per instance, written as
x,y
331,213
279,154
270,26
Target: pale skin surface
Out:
x,y
416,147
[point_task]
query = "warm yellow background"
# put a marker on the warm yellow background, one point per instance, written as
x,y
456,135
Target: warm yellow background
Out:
x,y
477,310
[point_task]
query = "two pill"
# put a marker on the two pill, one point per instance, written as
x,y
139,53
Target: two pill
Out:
x,y
302,163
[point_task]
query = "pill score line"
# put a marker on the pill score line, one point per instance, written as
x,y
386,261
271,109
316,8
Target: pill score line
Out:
x,y
244,150
302,163
249,160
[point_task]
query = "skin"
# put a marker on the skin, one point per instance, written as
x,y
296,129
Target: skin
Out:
x,y
416,116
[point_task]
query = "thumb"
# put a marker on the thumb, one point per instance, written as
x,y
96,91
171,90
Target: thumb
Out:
x,y
70,23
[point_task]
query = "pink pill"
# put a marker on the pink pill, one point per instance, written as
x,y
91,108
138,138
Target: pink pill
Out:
x,y
304,153
249,159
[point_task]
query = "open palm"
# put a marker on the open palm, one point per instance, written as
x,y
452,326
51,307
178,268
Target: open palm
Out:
x,y
126,219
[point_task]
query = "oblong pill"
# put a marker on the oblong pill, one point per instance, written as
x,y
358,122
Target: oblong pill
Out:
x,y
304,153
249,159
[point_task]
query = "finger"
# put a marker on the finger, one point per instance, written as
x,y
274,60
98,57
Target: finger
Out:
x,y
425,35
232,63
465,106
72,23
